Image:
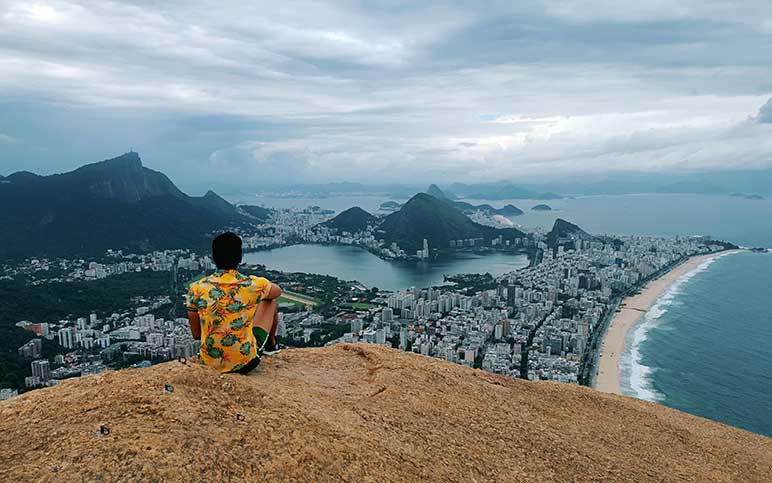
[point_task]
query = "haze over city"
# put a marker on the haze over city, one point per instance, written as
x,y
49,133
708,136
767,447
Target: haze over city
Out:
x,y
307,92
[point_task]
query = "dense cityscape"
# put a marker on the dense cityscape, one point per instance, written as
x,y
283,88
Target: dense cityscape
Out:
x,y
540,322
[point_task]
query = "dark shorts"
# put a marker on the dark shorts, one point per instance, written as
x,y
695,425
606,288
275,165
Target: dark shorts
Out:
x,y
261,336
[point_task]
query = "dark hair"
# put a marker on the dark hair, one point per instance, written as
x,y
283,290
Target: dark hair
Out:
x,y
226,251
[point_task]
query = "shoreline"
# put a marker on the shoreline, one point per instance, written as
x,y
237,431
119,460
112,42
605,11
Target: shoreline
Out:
x,y
631,310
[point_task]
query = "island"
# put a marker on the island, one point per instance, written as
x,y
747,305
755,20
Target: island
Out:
x,y
541,207
747,196
390,206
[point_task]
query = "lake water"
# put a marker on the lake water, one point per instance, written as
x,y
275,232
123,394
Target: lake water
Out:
x,y
352,263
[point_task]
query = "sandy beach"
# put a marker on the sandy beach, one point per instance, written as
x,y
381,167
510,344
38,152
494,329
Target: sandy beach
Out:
x,y
630,311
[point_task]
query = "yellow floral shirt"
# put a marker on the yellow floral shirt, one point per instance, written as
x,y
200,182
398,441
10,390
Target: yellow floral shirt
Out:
x,y
226,303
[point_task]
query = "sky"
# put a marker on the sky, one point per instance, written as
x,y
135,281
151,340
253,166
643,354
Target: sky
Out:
x,y
376,91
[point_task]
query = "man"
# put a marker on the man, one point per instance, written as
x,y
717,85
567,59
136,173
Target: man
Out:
x,y
233,315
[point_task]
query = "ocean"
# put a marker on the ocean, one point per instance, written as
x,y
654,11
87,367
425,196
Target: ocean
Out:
x,y
703,348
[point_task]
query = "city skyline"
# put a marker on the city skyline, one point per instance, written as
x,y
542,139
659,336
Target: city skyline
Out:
x,y
317,92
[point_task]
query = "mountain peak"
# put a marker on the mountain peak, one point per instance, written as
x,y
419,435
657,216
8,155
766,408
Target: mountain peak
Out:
x,y
386,416
565,231
125,163
352,220
115,203
439,221
122,178
435,191
130,159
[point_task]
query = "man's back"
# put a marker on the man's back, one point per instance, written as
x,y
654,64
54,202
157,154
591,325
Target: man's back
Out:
x,y
226,303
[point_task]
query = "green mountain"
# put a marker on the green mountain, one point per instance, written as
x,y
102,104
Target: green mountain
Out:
x,y
390,205
438,221
352,220
509,210
258,212
564,232
468,208
117,203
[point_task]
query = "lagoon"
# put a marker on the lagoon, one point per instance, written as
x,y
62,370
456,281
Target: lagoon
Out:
x,y
354,263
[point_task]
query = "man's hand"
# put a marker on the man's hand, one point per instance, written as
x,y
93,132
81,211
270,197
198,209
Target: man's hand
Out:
x,y
195,324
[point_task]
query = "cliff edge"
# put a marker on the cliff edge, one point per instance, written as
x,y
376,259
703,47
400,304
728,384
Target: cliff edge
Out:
x,y
358,413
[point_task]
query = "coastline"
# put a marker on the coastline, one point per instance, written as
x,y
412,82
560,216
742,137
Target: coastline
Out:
x,y
631,310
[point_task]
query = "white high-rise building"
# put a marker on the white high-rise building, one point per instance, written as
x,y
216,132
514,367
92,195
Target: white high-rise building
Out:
x,y
41,370
65,338
281,330
387,315
403,339
380,336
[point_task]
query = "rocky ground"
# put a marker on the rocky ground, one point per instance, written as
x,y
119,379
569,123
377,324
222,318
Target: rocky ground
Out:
x,y
359,413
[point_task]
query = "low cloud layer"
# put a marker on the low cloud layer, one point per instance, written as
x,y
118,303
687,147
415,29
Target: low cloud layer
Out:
x,y
386,91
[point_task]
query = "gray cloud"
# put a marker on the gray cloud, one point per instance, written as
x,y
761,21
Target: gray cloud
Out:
x,y
318,91
765,113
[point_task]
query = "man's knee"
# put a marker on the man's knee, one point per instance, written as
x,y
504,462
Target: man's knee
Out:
x,y
266,310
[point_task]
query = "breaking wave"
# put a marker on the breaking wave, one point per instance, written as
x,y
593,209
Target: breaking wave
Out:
x,y
636,377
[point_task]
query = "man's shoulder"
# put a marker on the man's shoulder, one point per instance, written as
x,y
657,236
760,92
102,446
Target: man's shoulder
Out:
x,y
201,282
258,280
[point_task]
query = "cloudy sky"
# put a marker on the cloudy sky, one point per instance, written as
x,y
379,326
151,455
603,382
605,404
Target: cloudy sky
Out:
x,y
376,90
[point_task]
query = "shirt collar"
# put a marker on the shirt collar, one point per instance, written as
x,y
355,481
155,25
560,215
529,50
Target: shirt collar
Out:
x,y
226,276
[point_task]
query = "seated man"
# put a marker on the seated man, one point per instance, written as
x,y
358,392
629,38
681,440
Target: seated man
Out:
x,y
233,315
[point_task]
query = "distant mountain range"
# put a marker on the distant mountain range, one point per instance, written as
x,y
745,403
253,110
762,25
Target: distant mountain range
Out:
x,y
435,191
434,218
438,221
468,208
503,190
117,203
491,191
747,182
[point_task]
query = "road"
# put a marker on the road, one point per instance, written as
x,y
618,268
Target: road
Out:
x,y
299,299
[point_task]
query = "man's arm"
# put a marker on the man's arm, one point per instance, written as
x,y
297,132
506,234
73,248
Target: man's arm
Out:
x,y
192,302
274,293
195,324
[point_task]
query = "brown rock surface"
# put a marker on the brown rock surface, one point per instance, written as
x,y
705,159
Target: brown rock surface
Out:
x,y
359,413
